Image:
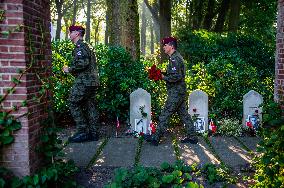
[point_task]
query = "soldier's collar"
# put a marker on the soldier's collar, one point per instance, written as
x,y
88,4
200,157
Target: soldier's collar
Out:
x,y
79,42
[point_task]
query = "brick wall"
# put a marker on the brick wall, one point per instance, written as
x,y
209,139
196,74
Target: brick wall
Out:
x,y
15,53
279,56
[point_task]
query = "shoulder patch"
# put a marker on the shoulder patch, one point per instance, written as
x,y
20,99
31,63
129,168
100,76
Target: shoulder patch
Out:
x,y
79,53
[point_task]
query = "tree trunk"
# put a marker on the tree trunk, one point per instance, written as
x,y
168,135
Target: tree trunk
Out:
x,y
165,23
74,12
107,29
154,10
209,15
88,22
152,48
143,29
197,14
58,26
219,27
124,25
234,16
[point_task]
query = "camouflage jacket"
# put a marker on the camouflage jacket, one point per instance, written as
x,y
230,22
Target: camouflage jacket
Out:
x,y
84,66
175,74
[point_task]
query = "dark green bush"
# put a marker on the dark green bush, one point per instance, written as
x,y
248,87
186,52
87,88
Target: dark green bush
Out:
x,y
61,55
270,164
176,175
226,80
203,46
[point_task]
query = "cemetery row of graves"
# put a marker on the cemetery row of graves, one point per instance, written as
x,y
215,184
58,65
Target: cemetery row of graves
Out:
x,y
140,112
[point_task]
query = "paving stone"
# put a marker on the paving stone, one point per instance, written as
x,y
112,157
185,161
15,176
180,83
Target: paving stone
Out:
x,y
230,151
197,153
250,142
119,152
81,153
154,156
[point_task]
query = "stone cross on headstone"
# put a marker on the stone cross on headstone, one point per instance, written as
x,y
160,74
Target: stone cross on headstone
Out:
x,y
140,99
198,105
251,109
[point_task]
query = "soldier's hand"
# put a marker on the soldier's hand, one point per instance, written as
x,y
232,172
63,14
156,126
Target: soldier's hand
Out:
x,y
65,68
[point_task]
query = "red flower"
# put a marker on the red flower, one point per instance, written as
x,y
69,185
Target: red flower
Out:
x,y
154,73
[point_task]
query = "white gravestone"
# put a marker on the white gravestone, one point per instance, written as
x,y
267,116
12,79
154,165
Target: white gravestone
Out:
x,y
251,109
198,105
140,99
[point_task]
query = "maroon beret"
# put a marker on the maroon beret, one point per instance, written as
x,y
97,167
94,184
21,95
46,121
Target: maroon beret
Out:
x,y
167,40
76,28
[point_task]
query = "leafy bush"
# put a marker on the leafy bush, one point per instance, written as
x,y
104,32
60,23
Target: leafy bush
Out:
x,y
270,164
226,80
202,46
229,127
177,175
61,55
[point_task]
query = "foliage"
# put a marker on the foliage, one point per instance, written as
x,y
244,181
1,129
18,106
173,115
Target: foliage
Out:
x,y
8,124
272,114
49,176
177,175
270,164
226,68
259,19
201,46
229,127
217,174
61,55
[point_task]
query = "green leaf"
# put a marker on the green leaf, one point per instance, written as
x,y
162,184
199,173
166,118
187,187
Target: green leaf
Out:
x,y
192,185
36,180
8,140
43,179
2,182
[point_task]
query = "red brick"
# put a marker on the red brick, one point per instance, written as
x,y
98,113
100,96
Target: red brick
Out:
x,y
15,21
5,77
16,7
17,49
4,49
12,56
12,42
13,14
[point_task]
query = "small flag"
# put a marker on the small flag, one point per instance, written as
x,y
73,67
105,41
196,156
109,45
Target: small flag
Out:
x,y
249,124
117,122
212,126
153,128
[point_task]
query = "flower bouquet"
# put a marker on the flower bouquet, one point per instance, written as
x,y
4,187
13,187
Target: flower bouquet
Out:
x,y
154,73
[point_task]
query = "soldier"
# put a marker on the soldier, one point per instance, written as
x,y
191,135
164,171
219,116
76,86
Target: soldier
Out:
x,y
82,95
176,91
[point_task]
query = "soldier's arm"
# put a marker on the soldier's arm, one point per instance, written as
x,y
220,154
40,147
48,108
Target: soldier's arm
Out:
x,y
81,60
175,70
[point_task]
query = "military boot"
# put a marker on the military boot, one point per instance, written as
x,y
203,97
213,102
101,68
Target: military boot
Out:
x,y
190,139
93,136
155,139
79,137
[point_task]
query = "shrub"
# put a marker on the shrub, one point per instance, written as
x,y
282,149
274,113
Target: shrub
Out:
x,y
229,127
270,164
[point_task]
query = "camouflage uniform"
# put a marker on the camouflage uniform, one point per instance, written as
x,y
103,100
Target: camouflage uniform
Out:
x,y
176,100
82,95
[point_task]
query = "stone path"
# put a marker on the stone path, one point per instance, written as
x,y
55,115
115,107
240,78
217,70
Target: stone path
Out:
x,y
123,152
